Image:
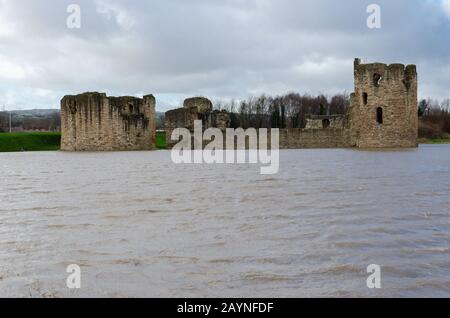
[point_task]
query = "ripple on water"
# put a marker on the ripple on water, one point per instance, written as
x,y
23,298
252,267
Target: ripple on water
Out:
x,y
140,226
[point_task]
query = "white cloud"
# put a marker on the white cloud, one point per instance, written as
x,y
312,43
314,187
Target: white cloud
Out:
x,y
7,25
6,29
42,92
12,70
114,11
446,6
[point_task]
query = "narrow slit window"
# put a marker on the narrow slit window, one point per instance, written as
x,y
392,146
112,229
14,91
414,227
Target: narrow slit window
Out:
x,y
365,98
379,115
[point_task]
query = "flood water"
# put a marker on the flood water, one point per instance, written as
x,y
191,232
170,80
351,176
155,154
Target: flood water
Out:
x,y
139,225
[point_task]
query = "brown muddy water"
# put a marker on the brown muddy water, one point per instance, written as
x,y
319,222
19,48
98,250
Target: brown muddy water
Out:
x,y
138,225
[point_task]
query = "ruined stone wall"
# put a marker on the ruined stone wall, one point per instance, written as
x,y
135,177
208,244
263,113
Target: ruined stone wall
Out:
x,y
323,122
201,105
308,138
383,113
295,139
197,108
95,122
314,138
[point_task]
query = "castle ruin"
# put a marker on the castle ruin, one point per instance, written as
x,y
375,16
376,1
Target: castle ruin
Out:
x,y
382,114
96,122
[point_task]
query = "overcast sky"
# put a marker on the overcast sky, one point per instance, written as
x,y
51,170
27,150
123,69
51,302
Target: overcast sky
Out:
x,y
220,49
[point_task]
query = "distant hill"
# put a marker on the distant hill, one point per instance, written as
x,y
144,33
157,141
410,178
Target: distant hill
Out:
x,y
31,120
43,120
35,112
45,112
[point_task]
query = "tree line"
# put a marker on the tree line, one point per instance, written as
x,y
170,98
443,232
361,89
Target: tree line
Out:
x,y
435,119
284,111
291,111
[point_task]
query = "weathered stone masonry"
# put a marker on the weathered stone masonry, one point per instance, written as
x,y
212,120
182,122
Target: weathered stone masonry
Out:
x,y
95,122
197,108
383,110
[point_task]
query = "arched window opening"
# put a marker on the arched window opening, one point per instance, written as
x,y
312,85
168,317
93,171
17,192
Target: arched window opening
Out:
x,y
326,123
379,115
365,98
377,79
131,108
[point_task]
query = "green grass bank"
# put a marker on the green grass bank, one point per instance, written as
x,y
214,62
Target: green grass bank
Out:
x,y
161,140
46,141
29,141
435,141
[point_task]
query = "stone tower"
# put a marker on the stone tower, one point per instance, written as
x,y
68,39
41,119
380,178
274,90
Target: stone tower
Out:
x,y
96,122
383,112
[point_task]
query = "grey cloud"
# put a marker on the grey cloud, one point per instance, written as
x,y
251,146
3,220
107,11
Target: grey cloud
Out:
x,y
222,49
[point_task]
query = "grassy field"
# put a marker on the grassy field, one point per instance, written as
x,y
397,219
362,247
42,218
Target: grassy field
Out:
x,y
161,140
47,141
29,141
435,141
